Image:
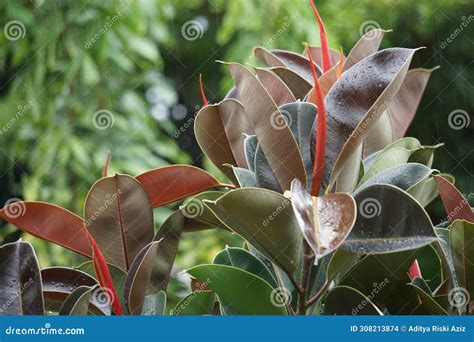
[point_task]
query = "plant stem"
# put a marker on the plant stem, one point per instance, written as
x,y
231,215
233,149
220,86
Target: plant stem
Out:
x,y
308,261
294,282
317,295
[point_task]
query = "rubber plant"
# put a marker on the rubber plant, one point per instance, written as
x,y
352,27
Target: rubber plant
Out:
x,y
130,264
328,196
331,194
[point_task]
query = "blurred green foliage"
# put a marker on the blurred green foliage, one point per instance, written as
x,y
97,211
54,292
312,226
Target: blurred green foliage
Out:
x,y
134,60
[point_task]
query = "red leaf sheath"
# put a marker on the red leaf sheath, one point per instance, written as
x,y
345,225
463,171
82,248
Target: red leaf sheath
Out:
x,y
323,38
204,100
414,270
103,274
320,154
106,167
340,66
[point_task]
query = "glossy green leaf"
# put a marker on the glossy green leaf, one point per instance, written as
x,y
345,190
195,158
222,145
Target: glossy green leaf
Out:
x,y
197,215
265,219
325,221
340,262
119,217
242,259
403,176
246,178
383,277
426,190
428,305
388,220
20,280
195,304
395,154
138,278
246,293
345,300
